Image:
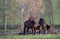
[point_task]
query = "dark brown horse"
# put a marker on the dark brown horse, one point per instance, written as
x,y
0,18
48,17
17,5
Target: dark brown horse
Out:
x,y
29,24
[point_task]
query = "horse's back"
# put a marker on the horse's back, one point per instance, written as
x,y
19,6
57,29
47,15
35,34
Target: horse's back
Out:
x,y
28,24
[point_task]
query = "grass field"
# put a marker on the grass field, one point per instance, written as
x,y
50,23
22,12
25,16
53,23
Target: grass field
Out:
x,y
54,36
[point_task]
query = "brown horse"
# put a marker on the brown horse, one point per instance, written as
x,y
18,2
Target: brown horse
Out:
x,y
38,27
29,24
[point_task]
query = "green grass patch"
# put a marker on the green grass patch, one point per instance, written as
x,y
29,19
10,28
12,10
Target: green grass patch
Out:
x,y
57,36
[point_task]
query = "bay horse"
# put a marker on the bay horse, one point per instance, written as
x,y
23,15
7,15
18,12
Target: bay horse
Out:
x,y
38,27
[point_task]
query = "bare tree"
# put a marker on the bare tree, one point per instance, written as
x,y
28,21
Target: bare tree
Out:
x,y
30,8
48,5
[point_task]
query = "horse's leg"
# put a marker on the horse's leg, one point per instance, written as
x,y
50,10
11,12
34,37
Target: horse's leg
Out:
x,y
24,29
27,30
43,31
34,31
39,30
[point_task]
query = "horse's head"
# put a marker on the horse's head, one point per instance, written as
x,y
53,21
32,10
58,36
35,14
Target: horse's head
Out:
x,y
31,18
